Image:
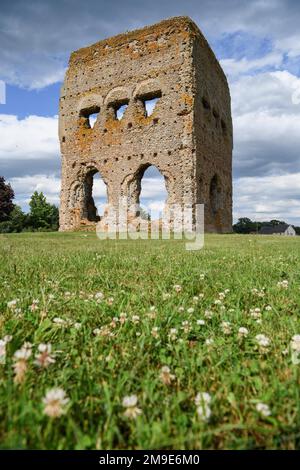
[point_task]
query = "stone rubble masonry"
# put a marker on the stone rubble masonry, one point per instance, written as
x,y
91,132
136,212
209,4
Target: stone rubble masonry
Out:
x,y
188,137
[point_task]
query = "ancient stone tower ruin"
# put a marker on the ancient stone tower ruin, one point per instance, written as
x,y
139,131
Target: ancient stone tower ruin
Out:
x,y
188,137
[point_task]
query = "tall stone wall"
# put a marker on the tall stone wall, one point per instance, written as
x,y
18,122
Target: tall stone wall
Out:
x,y
188,137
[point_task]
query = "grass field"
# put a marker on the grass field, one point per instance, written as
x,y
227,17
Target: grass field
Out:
x,y
149,319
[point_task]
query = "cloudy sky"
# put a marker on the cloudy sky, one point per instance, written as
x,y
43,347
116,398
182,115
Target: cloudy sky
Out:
x,y
257,43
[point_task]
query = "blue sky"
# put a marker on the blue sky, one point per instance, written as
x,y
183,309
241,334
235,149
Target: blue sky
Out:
x,y
257,43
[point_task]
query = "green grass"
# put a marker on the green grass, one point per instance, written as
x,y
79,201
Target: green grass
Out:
x,y
97,372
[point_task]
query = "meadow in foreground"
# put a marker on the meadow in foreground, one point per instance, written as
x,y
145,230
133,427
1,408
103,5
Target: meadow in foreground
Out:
x,y
113,345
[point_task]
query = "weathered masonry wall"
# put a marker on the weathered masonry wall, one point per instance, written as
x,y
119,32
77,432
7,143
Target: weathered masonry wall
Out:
x,y
189,144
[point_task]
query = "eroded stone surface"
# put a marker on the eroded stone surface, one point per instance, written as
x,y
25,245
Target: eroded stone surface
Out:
x,y
188,137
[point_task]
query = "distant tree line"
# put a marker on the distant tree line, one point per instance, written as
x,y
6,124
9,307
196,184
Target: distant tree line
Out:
x,y
42,215
246,225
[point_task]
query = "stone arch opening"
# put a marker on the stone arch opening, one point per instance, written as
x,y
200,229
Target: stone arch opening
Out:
x,y
95,195
152,192
215,195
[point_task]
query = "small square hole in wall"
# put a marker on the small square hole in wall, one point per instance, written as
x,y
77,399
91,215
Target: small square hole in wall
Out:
x,y
120,111
150,101
89,116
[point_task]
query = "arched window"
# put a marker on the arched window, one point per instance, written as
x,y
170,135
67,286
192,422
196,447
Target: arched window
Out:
x,y
95,196
153,194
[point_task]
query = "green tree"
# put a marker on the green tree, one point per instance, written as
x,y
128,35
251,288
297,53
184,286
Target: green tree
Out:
x,y
6,199
42,216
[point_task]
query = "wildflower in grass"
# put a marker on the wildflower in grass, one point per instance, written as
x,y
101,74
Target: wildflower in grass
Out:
x,y
110,300
99,296
218,302
165,375
186,326
114,322
222,295
195,299
123,318
55,402
208,314
2,351
255,313
268,308
226,328
181,309
263,342
12,304
295,347
295,343
44,358
283,284
209,341
263,409
226,291
20,365
77,326
173,334
177,288
166,295
243,332
200,322
130,403
202,402
135,319
96,331
154,332
190,310
59,321
258,293
202,276
35,305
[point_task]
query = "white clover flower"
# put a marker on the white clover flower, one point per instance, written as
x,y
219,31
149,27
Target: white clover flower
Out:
x,y
243,332
77,326
154,332
123,318
226,328
152,308
190,310
195,299
59,321
209,341
227,291
165,375
222,295
263,409
12,304
181,309
99,296
208,314
218,302
110,300
295,343
200,322
202,401
186,327
135,319
283,284
130,403
173,334
262,340
177,288
268,308
96,331
20,365
2,351
202,276
166,295
255,313
55,403
44,358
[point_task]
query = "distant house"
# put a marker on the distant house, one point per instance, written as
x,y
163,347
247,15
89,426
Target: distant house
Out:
x,y
281,229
